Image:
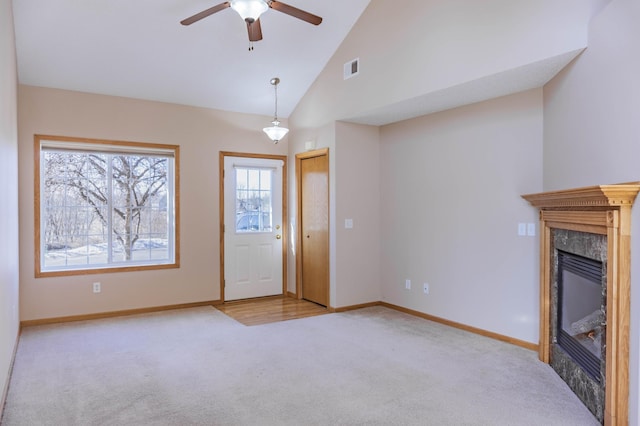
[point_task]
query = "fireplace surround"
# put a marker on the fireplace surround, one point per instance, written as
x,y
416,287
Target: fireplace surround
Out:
x,y
602,212
578,314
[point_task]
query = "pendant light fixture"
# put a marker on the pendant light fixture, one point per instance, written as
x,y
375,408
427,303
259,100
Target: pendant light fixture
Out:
x,y
275,132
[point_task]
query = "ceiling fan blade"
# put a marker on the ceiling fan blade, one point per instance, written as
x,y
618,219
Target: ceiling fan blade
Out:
x,y
255,31
295,12
198,16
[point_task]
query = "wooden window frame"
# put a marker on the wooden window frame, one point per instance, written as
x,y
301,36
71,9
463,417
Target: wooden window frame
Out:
x,y
114,145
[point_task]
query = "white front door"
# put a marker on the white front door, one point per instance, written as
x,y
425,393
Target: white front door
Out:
x,y
252,227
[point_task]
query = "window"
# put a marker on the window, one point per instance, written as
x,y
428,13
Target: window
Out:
x,y
105,206
253,199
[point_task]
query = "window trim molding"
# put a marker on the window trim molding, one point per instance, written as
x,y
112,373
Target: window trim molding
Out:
x,y
103,269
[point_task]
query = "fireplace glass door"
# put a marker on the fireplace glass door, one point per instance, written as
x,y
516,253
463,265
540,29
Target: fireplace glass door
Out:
x,y
581,318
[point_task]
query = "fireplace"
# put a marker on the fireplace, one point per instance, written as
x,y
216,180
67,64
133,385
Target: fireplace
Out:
x,y
585,240
581,318
578,310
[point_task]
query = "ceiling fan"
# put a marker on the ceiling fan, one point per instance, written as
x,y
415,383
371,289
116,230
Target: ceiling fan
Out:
x,y
250,11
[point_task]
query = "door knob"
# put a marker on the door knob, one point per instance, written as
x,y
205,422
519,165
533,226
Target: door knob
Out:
x,y
278,237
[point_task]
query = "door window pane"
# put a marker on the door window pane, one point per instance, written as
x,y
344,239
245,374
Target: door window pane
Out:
x,y
253,199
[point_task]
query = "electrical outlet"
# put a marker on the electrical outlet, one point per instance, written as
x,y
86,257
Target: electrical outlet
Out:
x,y
425,288
407,284
96,288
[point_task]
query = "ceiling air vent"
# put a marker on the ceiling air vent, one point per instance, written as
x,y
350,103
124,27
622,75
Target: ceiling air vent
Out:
x,y
352,68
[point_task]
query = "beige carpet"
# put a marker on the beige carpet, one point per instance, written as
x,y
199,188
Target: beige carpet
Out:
x,y
372,366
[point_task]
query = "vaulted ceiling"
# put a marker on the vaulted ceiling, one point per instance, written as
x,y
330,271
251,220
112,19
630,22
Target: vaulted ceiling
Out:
x,y
138,49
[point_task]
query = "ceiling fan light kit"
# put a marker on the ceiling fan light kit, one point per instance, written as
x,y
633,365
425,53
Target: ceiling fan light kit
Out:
x,y
249,10
275,132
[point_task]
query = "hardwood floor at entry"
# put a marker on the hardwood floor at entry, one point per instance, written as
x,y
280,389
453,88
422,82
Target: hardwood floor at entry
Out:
x,y
273,309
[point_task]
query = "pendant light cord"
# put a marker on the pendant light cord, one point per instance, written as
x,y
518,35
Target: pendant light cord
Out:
x,y
276,110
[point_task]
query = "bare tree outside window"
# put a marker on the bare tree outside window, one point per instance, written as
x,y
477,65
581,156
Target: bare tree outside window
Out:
x,y
103,208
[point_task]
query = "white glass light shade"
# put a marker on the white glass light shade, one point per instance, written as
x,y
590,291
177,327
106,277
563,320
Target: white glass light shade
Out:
x,y
249,9
276,132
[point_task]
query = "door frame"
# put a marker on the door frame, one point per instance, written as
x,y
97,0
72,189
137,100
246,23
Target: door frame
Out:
x,y
285,215
299,157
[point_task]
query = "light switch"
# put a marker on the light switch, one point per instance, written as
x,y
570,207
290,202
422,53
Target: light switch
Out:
x,y
531,229
348,223
522,229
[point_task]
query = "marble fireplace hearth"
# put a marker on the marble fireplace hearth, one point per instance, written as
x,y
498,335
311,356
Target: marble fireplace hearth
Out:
x,y
595,223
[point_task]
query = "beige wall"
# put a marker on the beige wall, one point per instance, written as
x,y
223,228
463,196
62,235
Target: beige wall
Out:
x,y
427,46
201,134
451,186
9,320
424,192
592,132
357,197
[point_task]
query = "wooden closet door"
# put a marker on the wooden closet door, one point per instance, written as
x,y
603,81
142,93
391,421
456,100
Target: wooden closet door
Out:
x,y
315,229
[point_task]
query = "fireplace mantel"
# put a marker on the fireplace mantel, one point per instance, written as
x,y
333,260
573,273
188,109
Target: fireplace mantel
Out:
x,y
604,210
591,197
